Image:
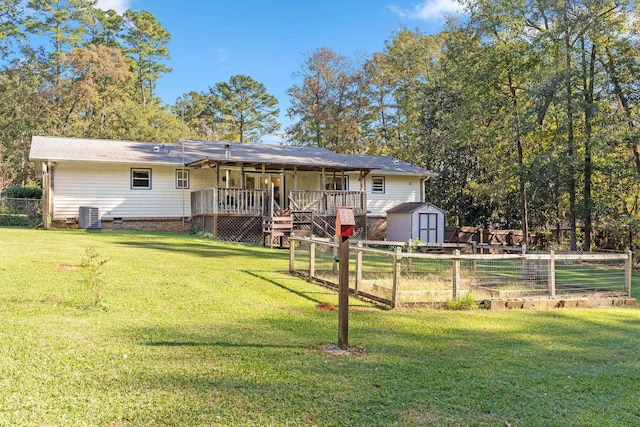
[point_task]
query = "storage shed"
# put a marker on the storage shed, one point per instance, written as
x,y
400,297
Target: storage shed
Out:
x,y
416,220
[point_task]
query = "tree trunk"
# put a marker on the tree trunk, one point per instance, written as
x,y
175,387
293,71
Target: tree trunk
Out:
x,y
521,175
588,86
573,245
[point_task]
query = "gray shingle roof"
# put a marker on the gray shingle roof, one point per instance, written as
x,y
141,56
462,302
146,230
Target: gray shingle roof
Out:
x,y
408,207
45,148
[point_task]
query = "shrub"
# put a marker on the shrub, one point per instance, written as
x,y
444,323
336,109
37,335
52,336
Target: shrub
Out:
x,y
92,266
465,303
14,220
20,192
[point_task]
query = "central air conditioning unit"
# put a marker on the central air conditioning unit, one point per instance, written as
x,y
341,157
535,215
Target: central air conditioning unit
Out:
x,y
89,217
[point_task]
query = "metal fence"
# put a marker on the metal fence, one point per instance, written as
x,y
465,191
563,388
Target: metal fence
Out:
x,y
399,278
20,212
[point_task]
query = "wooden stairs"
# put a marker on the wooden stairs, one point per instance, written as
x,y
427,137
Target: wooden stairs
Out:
x,y
282,223
285,223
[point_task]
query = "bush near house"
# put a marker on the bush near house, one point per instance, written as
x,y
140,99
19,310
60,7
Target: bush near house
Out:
x,y
23,192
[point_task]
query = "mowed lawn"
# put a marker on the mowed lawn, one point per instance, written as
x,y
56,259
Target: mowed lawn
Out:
x,y
193,332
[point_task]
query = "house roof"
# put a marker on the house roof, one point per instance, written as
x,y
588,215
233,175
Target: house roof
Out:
x,y
198,153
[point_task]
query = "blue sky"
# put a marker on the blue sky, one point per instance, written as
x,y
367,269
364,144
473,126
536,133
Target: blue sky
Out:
x,y
213,40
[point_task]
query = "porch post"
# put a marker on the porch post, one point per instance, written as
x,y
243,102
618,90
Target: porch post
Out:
x,y
46,195
295,177
344,189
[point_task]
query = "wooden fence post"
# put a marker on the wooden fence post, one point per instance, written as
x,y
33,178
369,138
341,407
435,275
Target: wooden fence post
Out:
x,y
312,260
397,267
358,267
456,275
551,274
628,270
474,250
335,254
292,255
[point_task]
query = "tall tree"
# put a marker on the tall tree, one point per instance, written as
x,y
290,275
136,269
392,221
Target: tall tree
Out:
x,y
243,109
145,42
106,27
194,109
64,22
23,112
11,15
95,77
328,105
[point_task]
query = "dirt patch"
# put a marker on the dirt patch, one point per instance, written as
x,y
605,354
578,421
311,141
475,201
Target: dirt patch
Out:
x,y
66,267
334,350
326,306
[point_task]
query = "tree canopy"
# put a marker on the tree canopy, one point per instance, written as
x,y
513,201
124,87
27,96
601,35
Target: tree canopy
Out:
x,y
527,110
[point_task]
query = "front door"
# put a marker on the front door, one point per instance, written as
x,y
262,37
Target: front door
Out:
x,y
428,227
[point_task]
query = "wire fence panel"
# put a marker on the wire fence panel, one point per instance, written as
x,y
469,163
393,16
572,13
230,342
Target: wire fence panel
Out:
x,y
398,278
20,212
598,277
376,274
509,278
425,280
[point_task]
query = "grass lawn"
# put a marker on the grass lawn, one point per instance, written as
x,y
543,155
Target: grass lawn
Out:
x,y
204,333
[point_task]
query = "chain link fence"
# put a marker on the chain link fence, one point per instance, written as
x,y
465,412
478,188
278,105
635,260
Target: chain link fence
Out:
x,y
20,212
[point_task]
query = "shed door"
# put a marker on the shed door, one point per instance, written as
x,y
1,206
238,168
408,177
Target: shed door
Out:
x,y
428,227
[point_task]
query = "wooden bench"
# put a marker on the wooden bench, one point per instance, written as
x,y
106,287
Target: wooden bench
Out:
x,y
277,226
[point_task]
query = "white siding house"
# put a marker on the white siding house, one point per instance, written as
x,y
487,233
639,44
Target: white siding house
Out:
x,y
142,184
108,187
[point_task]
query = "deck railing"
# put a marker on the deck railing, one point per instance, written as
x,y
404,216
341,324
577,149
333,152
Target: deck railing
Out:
x,y
228,201
327,202
211,201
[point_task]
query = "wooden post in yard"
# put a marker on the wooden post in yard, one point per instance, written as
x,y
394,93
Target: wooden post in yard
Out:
x,y
292,255
345,225
397,268
358,267
456,275
312,260
343,297
551,274
628,270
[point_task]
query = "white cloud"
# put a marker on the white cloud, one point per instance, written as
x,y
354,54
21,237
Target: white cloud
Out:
x,y
117,5
429,10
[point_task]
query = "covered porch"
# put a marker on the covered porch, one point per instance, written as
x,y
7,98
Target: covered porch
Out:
x,y
250,195
235,201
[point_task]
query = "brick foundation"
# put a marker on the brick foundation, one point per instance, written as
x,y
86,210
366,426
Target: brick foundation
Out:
x,y
175,225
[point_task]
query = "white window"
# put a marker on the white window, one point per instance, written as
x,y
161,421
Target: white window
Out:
x,y
377,184
141,179
337,183
182,178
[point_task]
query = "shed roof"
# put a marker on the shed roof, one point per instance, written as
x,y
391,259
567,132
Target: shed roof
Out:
x,y
409,207
195,153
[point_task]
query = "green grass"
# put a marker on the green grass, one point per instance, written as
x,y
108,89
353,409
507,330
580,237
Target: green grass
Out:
x,y
205,333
